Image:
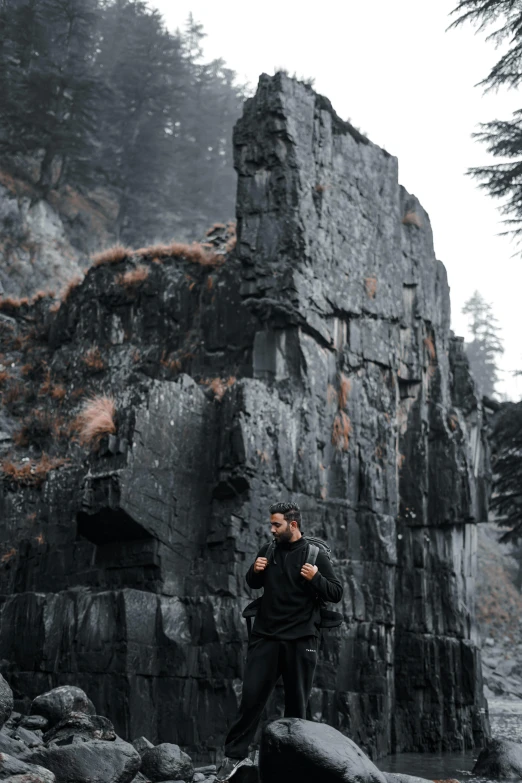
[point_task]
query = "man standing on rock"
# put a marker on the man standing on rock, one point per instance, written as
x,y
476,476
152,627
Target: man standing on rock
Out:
x,y
285,634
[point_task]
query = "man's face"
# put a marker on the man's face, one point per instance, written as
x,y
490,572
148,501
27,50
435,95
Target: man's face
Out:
x,y
281,529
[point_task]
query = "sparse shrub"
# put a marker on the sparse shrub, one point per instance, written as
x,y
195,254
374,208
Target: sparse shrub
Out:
x,y
93,360
10,303
55,307
39,295
114,255
58,392
195,253
4,375
219,386
96,419
430,347
171,364
370,284
133,277
341,431
210,283
345,386
412,219
14,393
31,472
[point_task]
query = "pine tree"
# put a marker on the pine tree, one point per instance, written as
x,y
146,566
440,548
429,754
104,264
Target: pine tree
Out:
x,y
506,446
486,345
503,138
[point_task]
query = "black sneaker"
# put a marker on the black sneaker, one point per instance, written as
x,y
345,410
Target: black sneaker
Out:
x,y
229,767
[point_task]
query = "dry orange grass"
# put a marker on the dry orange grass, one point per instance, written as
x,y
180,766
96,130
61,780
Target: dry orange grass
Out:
x,y
345,386
196,253
412,219
55,307
341,431
430,347
93,360
114,255
95,420
133,277
331,394
370,284
171,364
4,375
39,295
13,302
32,472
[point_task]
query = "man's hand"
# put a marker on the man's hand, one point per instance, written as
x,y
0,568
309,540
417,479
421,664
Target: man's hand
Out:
x,y
260,564
309,571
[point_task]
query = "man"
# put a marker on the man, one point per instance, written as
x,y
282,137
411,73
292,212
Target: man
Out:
x,y
285,633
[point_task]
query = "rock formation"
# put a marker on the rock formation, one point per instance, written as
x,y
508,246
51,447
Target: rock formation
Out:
x,y
313,362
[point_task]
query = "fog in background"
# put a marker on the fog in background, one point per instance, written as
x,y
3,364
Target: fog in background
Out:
x,y
394,71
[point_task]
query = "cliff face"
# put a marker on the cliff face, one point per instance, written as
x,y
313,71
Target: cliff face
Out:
x,y
340,388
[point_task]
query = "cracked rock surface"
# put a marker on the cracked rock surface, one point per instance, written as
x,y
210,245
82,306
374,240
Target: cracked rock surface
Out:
x,y
315,363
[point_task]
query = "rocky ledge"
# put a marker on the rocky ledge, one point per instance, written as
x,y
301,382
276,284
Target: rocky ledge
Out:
x,y
312,361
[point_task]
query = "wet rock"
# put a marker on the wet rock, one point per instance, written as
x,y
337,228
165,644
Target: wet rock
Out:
x,y
500,759
15,766
296,749
142,744
92,761
59,702
6,701
81,727
167,762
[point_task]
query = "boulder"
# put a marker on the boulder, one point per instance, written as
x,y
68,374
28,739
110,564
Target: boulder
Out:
x,y
92,761
142,744
397,777
9,766
80,726
140,778
6,701
29,778
167,762
499,759
9,745
297,749
34,722
59,702
26,736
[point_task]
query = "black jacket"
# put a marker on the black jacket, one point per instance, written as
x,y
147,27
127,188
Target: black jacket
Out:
x,y
289,605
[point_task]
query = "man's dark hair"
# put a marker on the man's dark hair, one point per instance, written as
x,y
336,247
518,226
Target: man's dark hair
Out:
x,y
290,511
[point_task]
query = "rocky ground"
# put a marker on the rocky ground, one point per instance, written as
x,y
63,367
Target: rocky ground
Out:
x,y
499,613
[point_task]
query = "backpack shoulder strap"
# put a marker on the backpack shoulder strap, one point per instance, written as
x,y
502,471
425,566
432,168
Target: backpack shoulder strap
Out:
x,y
311,555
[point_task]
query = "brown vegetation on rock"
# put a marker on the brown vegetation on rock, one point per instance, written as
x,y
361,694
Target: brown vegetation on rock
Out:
x,y
93,359
71,285
341,431
219,386
345,386
195,252
370,284
31,472
114,255
412,219
96,419
133,277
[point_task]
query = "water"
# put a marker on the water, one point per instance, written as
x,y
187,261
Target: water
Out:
x,y
506,723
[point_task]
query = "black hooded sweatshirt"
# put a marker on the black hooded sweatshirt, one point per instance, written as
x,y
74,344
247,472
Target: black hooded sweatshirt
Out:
x,y
289,604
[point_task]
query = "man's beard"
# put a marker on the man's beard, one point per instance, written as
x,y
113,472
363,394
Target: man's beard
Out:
x,y
284,537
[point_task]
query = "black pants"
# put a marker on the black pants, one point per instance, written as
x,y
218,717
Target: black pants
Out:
x,y
267,659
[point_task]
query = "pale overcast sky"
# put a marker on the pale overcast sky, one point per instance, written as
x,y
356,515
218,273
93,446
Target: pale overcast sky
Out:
x,y
393,70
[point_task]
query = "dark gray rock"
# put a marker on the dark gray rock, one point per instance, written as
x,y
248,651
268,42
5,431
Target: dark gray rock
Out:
x,y
9,745
82,727
29,738
6,701
500,759
167,762
142,744
29,778
14,766
140,778
92,761
296,749
351,397
33,722
59,702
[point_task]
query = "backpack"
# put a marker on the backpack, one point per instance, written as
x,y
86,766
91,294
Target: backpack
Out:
x,y
329,618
